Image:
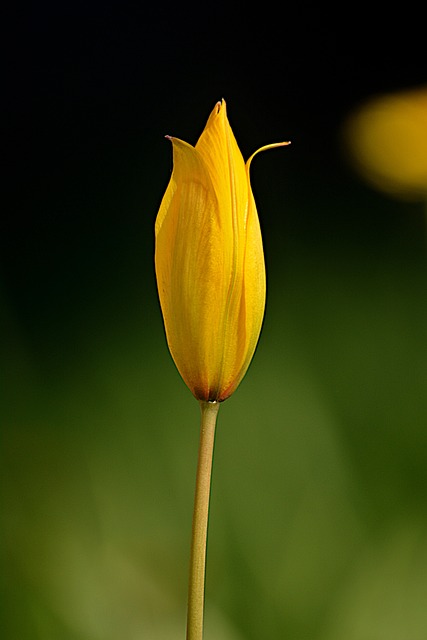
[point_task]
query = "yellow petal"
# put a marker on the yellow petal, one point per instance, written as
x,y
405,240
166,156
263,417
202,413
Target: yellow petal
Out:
x,y
193,271
252,302
222,156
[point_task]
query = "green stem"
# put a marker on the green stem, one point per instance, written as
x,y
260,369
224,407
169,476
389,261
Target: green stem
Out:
x,y
196,587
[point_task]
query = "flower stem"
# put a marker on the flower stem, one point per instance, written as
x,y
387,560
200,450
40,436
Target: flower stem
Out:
x,y
196,587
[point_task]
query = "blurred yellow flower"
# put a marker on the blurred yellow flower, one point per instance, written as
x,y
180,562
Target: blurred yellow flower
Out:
x,y
209,261
387,138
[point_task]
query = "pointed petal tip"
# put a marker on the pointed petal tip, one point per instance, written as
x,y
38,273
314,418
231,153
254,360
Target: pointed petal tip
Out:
x,y
221,106
274,145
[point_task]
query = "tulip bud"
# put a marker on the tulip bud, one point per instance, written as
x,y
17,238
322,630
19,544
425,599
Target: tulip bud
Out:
x,y
209,261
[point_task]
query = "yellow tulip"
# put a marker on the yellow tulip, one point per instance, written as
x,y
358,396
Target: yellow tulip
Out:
x,y
209,261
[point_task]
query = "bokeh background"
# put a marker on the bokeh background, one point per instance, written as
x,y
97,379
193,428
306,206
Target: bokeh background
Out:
x,y
318,524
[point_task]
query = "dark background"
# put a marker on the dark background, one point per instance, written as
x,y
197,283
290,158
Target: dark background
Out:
x,y
318,516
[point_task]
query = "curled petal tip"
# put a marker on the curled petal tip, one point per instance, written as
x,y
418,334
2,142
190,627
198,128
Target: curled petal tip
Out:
x,y
265,148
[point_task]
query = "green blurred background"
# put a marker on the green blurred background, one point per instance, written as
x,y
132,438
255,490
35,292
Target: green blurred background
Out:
x,y
318,524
